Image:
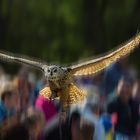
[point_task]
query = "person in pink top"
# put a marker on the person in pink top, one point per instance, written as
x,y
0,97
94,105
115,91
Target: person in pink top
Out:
x,y
47,107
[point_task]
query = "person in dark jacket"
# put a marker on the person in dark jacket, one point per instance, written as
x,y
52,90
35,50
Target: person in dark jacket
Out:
x,y
68,130
125,111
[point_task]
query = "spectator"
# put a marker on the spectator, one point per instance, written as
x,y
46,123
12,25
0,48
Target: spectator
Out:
x,y
13,131
7,105
92,113
112,75
86,130
24,88
75,125
124,110
68,130
34,122
46,106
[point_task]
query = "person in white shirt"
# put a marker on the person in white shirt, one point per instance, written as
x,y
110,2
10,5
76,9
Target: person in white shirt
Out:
x,y
91,112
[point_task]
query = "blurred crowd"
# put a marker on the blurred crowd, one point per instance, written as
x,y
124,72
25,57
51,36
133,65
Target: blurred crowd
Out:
x,y
111,110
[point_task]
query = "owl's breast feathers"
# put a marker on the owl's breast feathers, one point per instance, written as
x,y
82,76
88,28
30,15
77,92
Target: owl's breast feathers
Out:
x,y
73,93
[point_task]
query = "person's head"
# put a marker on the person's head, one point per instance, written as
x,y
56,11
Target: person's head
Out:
x,y
124,89
7,97
34,121
86,130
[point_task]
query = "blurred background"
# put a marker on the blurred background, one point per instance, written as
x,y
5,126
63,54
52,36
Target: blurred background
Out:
x,y
65,31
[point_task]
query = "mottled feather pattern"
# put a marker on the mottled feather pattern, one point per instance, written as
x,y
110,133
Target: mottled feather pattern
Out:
x,y
95,65
46,92
60,78
75,94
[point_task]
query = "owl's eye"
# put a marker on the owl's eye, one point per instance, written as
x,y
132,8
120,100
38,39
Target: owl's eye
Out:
x,y
55,70
48,71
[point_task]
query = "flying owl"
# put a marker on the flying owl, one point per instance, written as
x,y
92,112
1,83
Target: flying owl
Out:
x,y
60,79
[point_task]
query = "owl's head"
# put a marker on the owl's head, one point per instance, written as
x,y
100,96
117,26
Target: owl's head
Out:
x,y
54,72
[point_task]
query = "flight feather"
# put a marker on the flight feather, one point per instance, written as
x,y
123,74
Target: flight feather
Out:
x,y
96,65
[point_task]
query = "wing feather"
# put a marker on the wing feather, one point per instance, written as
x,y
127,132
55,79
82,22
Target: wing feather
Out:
x,y
96,65
76,95
6,56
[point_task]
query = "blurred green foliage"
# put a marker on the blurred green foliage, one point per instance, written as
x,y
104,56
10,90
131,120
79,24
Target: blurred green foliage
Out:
x,y
65,31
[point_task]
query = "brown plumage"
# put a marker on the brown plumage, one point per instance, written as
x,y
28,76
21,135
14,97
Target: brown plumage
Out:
x,y
60,79
96,65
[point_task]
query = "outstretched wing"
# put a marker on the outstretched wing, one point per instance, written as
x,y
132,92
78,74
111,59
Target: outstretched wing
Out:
x,y
6,56
95,65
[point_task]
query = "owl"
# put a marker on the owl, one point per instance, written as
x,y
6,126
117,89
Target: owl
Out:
x,y
60,79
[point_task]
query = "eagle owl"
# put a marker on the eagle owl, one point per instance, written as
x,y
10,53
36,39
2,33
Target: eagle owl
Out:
x,y
60,79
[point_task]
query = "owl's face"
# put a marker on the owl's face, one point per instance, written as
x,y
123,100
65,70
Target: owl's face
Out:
x,y
54,72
